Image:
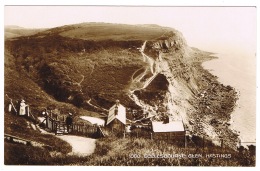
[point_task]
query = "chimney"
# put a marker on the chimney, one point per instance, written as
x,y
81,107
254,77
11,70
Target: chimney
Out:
x,y
166,119
116,108
117,102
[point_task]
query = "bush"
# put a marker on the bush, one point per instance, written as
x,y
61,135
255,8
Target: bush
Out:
x,y
18,154
111,151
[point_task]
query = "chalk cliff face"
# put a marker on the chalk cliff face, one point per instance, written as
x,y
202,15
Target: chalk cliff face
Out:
x,y
167,58
171,82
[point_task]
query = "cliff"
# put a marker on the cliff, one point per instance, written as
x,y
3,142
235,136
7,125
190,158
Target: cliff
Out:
x,y
144,66
174,84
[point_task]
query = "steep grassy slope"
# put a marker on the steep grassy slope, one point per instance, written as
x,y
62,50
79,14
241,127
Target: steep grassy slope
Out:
x,y
18,85
72,76
75,70
44,145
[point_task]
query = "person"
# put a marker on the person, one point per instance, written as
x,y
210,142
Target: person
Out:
x,y
17,107
45,113
22,110
69,122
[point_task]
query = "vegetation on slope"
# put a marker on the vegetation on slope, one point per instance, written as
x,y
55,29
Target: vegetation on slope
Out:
x,y
16,31
119,152
67,66
23,154
19,85
75,70
113,151
107,31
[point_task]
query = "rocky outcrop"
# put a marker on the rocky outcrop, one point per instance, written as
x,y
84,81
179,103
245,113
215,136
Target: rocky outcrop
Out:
x,y
168,59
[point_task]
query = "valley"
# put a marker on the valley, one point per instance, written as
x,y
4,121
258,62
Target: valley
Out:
x,y
84,68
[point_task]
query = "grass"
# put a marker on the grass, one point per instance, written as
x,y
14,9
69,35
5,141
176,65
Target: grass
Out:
x,y
56,59
19,85
17,154
14,32
18,126
106,31
56,65
113,151
120,152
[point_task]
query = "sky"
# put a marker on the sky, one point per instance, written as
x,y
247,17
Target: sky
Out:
x,y
208,28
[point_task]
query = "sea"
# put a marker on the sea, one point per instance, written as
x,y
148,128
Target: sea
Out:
x,y
239,71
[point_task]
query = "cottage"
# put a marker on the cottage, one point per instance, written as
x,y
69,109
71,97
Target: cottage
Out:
x,y
116,119
169,131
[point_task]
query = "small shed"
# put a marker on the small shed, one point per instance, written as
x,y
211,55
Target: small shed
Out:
x,y
171,131
116,119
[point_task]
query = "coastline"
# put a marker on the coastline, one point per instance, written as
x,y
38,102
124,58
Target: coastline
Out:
x,y
214,105
239,75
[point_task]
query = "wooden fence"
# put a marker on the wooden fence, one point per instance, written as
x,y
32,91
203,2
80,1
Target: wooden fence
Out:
x,y
60,127
169,137
183,139
206,142
139,134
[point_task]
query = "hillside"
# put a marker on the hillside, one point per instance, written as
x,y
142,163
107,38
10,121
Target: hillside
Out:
x,y
40,55
146,67
16,31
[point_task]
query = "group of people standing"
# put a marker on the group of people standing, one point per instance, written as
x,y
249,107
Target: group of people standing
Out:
x,y
21,108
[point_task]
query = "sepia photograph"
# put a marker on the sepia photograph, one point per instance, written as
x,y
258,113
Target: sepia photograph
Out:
x,y
106,85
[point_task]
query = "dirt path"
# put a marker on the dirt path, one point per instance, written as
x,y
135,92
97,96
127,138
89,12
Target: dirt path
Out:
x,y
81,146
137,83
94,120
133,75
77,83
97,107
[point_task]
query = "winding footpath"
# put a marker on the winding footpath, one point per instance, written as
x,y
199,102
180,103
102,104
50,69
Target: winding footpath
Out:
x,y
97,107
137,80
81,146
